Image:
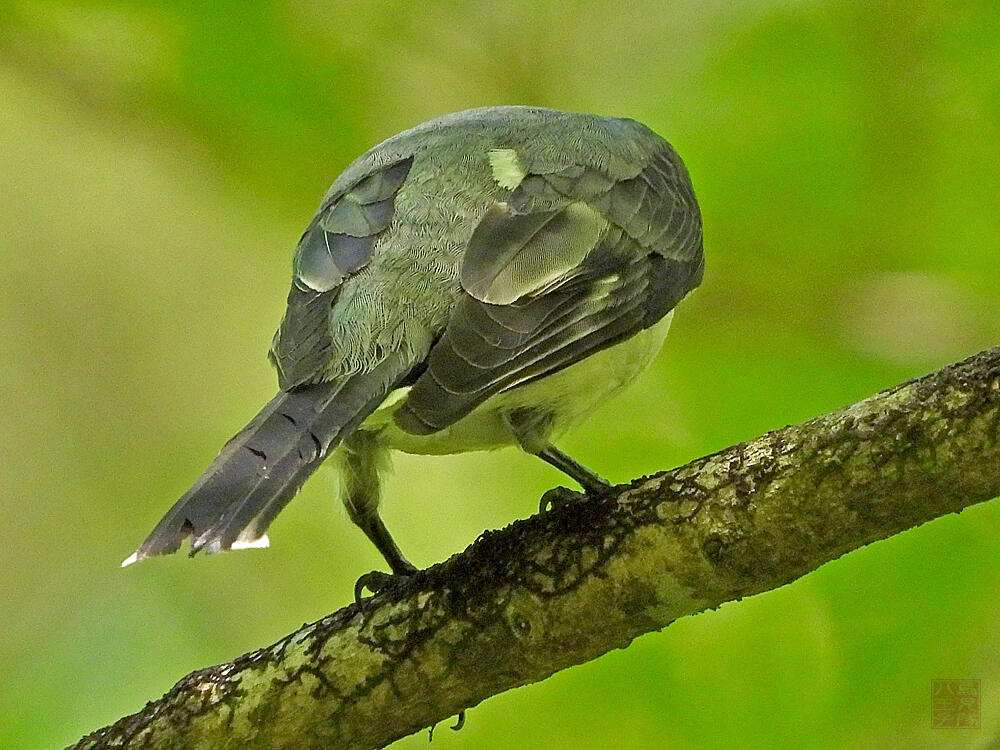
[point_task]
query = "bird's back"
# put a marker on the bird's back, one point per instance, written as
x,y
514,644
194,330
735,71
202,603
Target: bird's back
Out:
x,y
403,293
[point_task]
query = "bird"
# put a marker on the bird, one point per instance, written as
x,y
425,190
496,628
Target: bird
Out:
x,y
484,279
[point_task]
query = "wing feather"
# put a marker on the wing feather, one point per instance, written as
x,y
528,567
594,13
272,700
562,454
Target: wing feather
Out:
x,y
573,262
338,243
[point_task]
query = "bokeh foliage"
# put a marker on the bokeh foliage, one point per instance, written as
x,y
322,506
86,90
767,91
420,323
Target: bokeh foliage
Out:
x,y
157,164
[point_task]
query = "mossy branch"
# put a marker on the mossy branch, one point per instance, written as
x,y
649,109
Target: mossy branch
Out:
x,y
567,586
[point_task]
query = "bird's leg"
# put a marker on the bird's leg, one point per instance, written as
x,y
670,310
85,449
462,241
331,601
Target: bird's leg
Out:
x,y
531,428
362,457
593,484
377,580
375,530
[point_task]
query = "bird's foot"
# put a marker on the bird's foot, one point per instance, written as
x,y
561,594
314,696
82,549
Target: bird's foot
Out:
x,y
378,581
558,497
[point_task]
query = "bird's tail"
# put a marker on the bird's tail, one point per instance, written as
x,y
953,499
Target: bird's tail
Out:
x,y
260,469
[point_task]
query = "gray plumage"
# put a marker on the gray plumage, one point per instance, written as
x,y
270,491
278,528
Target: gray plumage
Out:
x,y
468,260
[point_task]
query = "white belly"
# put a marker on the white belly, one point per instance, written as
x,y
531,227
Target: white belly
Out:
x,y
570,395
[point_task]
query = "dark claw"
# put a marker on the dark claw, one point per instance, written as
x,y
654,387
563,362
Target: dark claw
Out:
x,y
460,722
557,497
376,582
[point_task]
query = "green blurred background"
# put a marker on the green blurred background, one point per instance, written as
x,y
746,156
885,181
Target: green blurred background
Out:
x,y
158,162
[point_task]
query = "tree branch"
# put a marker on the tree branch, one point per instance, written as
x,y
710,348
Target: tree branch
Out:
x,y
567,586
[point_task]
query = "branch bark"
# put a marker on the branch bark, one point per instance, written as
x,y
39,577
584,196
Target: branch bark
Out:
x,y
564,587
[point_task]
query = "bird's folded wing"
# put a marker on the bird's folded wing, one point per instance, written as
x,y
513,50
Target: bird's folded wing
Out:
x,y
338,243
571,263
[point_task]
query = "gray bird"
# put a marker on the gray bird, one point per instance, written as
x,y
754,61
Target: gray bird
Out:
x,y
484,279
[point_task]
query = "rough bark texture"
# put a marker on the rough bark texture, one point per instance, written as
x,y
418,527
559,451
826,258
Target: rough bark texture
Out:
x,y
569,585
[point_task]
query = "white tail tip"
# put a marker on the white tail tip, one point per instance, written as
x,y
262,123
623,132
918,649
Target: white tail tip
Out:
x,y
134,557
259,543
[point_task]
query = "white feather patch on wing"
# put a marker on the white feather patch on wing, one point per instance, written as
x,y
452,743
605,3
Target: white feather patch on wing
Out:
x,y
507,168
259,543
